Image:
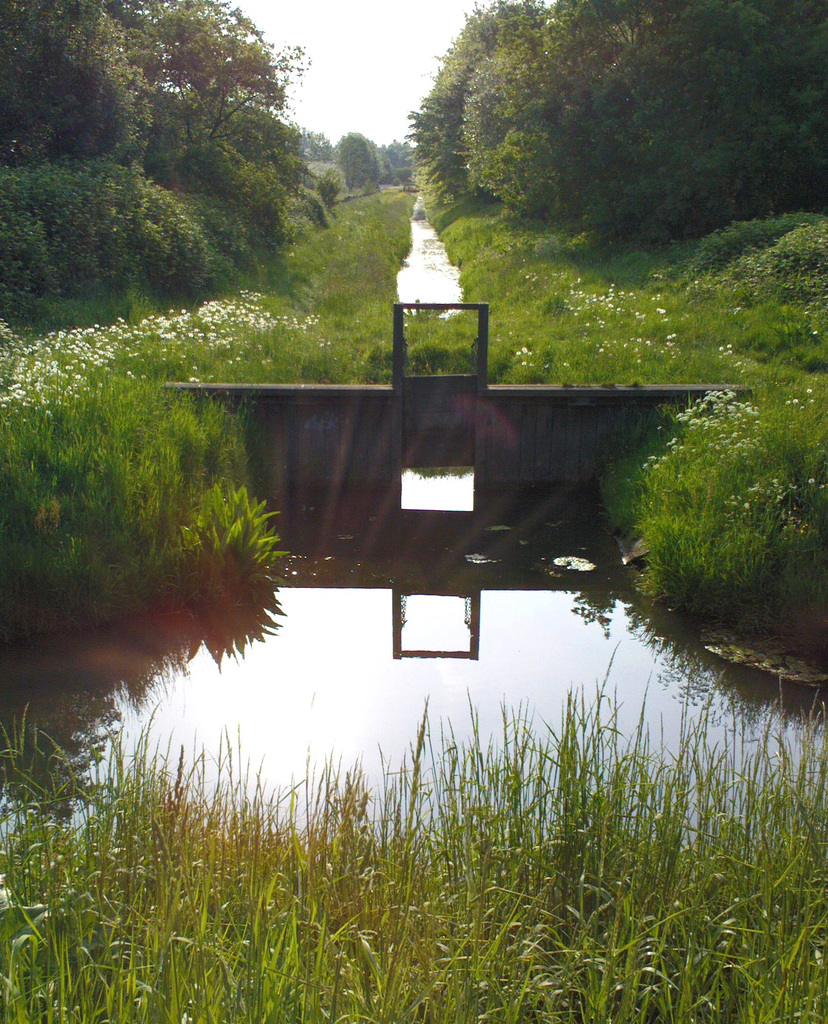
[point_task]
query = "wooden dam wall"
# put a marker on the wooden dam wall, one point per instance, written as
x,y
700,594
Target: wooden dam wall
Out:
x,y
331,436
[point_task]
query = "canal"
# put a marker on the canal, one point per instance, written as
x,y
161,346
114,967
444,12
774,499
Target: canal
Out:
x,y
466,610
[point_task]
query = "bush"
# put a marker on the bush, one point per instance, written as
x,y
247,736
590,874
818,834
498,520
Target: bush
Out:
x,y
329,185
794,268
67,230
722,247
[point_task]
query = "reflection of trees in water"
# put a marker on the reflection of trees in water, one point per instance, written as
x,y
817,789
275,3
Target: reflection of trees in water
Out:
x,y
700,678
596,608
59,708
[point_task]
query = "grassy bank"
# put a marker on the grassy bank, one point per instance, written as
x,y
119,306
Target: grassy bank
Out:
x,y
563,874
731,499
100,468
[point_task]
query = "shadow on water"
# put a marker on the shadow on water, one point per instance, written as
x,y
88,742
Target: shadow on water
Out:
x,y
509,592
511,603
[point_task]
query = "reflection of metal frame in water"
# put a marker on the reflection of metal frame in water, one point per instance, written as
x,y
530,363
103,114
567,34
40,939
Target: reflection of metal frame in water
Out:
x,y
471,617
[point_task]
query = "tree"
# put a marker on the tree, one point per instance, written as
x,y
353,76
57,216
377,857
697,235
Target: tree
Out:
x,y
396,163
317,148
209,66
218,95
439,127
65,89
358,161
638,118
97,96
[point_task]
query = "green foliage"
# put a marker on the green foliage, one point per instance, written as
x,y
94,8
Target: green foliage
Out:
x,y
209,66
229,549
317,148
439,127
329,185
557,873
100,103
358,160
65,88
65,229
736,508
795,267
639,120
396,163
101,467
727,244
96,477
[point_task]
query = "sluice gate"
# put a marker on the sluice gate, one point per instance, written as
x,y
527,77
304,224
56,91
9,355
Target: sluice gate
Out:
x,y
333,436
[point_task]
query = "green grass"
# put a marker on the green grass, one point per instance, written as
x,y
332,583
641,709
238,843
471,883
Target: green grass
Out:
x,y
100,468
735,514
732,504
560,874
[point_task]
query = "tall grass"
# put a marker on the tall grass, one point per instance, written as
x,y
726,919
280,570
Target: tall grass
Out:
x,y
100,468
562,874
732,501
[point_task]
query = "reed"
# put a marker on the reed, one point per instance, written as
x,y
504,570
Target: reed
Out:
x,y
564,874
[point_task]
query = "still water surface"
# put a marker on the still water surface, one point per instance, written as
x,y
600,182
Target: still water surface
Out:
x,y
388,611
385,614
427,275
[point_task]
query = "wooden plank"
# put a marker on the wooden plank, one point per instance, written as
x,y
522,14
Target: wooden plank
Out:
x,y
569,469
557,448
528,432
507,439
543,443
587,445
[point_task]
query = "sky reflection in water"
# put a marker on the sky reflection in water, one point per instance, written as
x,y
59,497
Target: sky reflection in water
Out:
x,y
337,681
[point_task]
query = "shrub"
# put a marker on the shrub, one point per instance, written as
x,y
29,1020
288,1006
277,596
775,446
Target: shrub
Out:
x,y
795,267
329,185
722,247
66,230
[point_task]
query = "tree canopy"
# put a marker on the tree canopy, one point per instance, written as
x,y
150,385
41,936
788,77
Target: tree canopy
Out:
x,y
656,119
358,160
182,94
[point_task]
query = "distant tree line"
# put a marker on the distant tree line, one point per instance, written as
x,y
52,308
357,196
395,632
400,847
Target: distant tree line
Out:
x,y
648,118
356,164
141,142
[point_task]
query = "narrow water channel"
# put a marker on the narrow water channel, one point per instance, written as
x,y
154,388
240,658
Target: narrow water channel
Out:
x,y
388,611
427,275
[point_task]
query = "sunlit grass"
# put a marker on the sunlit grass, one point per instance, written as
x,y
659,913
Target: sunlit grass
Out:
x,y
563,873
100,467
735,514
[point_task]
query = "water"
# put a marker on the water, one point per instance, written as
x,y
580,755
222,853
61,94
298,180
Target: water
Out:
x,y
389,611
450,489
427,275
385,614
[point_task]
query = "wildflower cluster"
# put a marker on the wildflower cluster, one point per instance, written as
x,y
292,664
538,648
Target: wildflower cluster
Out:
x,y
63,364
719,419
784,503
524,356
36,373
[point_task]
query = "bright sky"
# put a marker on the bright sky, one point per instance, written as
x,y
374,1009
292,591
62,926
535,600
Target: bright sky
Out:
x,y
372,61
